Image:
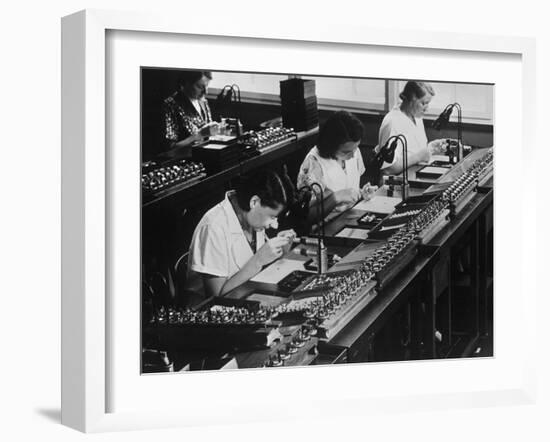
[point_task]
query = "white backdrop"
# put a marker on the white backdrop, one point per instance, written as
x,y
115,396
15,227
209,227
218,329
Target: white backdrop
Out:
x,y
30,225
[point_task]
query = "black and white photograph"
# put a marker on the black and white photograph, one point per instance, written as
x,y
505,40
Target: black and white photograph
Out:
x,y
248,221
290,219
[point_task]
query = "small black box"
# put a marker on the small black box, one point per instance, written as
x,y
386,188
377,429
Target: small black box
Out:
x,y
296,87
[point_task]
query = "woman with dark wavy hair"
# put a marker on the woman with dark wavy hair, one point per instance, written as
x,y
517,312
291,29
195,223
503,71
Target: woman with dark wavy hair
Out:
x,y
229,245
336,164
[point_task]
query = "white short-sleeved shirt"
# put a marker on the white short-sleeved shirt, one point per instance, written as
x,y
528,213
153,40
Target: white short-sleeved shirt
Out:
x,y
396,122
219,246
329,173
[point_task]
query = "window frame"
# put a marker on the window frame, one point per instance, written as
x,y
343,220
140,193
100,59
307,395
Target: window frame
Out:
x,y
362,107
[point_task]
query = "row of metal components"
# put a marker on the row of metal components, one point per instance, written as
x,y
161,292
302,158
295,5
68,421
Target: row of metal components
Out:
x,y
405,214
164,177
458,189
269,136
428,215
470,178
211,316
384,254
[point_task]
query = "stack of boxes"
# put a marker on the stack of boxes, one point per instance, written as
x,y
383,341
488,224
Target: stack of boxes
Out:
x,y
299,104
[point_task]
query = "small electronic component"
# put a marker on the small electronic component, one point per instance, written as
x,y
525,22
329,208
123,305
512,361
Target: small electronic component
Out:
x,y
371,219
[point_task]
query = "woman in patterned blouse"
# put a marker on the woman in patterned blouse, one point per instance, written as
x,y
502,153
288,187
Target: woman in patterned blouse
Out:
x,y
186,113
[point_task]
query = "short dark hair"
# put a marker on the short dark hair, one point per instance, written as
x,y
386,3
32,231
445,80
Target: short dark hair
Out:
x,y
416,89
340,128
268,185
189,77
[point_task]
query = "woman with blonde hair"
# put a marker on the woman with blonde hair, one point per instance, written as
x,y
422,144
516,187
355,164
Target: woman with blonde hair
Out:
x,y
406,119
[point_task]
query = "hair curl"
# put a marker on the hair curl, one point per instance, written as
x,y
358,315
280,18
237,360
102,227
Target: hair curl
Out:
x,y
341,127
416,89
271,187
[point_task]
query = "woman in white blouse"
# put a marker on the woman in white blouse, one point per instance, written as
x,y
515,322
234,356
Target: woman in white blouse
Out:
x,y
229,245
406,119
336,164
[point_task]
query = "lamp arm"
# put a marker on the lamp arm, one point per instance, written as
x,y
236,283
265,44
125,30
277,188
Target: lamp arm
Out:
x,y
444,118
460,153
321,218
403,139
405,185
386,145
322,207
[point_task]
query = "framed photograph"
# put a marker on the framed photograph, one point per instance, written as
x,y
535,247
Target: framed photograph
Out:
x,y
139,174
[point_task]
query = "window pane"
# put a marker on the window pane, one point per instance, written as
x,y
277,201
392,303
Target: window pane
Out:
x,y
260,83
350,89
476,100
373,90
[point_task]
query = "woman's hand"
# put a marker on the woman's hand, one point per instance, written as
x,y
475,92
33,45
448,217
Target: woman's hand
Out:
x,y
271,250
438,147
209,129
289,235
347,196
368,191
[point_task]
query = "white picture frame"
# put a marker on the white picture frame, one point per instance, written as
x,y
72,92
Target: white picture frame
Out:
x,y
87,205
